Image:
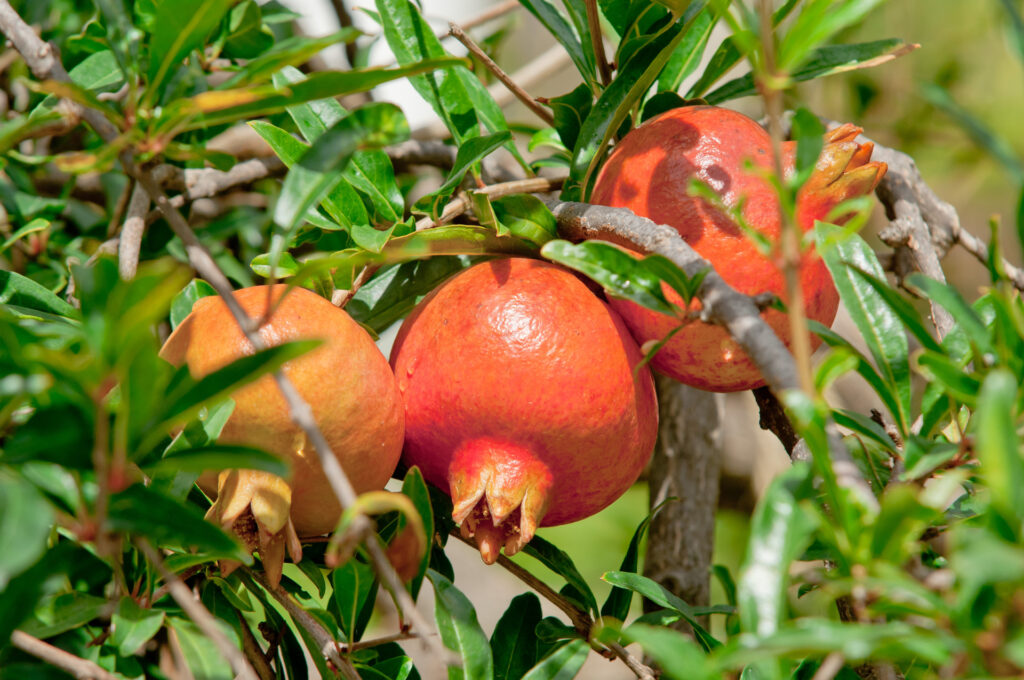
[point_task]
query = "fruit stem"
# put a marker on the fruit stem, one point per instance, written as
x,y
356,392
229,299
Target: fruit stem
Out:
x,y
768,81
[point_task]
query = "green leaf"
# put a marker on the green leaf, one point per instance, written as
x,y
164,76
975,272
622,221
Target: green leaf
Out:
x,y
559,27
569,111
471,152
319,168
513,643
369,171
562,664
460,631
559,562
662,596
23,591
887,393
180,26
808,132
881,327
613,106
22,291
824,61
620,273
456,95
25,523
142,511
949,297
676,654
817,21
415,487
200,653
183,302
202,431
285,266
688,53
247,36
779,532
354,589
57,433
899,525
288,52
526,217
134,626
38,224
342,202
220,457
619,600
949,375
185,395
216,107
393,293
64,612
998,445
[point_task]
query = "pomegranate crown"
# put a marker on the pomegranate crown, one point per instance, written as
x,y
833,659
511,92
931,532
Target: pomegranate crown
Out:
x,y
844,170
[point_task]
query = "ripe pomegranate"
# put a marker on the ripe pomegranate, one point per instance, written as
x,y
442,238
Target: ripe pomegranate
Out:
x,y
346,381
523,398
649,172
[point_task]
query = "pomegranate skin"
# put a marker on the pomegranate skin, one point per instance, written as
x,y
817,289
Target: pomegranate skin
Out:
x,y
346,381
649,172
520,398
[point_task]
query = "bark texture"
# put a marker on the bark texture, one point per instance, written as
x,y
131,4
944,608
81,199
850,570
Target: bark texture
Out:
x,y
686,466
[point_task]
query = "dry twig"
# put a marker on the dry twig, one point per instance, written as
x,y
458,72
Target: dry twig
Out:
x,y
522,95
533,185
78,667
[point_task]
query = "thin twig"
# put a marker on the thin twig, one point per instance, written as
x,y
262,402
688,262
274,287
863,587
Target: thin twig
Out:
x,y
253,652
830,667
325,642
342,297
533,185
581,620
640,670
130,240
78,667
456,31
596,37
376,642
198,613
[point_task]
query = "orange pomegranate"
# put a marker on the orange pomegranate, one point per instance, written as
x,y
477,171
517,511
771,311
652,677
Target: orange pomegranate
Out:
x,y
649,172
523,398
346,381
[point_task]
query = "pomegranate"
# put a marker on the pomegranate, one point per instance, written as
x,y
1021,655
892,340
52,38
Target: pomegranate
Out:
x,y
649,172
523,398
346,381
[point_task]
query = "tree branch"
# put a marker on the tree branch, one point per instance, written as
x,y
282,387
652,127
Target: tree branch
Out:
x,y
721,304
78,667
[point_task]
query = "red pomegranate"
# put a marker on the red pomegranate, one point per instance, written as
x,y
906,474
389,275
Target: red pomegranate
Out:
x,y
649,172
346,381
523,398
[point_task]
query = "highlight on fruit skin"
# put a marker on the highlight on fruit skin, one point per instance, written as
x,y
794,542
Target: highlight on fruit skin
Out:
x,y
347,383
650,171
524,399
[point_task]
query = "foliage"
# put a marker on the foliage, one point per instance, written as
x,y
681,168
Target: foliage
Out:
x,y
101,441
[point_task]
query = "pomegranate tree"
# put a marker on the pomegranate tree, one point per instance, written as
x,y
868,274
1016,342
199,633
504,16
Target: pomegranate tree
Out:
x,y
523,397
347,383
649,172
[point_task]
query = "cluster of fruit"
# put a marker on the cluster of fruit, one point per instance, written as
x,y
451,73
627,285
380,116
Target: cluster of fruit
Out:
x,y
513,385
